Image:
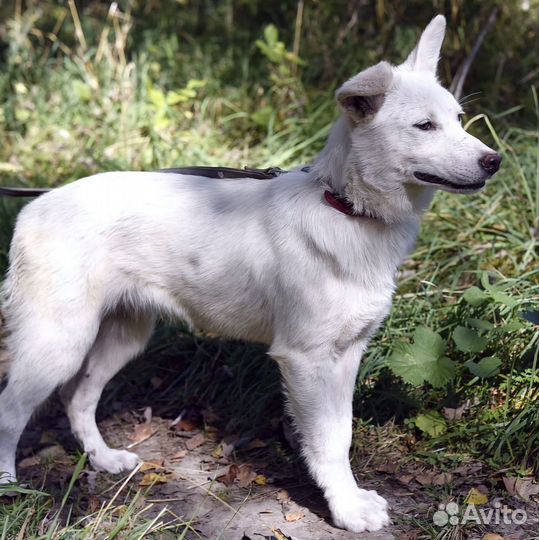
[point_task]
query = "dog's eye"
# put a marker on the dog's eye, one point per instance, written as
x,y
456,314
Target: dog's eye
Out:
x,y
425,126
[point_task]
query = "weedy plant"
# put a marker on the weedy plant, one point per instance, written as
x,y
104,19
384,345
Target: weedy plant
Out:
x,y
473,332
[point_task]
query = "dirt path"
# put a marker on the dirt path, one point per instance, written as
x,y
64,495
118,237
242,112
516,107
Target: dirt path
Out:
x,y
204,488
245,488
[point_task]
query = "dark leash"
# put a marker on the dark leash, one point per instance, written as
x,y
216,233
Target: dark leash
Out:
x,y
339,202
22,192
208,172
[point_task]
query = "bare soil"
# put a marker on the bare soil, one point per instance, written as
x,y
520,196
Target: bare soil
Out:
x,y
237,487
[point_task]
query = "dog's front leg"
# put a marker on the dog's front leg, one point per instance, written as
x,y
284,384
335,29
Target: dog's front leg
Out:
x,y
320,392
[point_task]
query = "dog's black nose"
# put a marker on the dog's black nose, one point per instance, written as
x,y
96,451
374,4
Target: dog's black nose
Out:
x,y
491,162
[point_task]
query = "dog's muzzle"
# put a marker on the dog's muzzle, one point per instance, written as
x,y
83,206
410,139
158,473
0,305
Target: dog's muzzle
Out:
x,y
433,179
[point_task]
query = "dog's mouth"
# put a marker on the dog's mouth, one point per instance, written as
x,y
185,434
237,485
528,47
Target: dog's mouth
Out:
x,y
433,179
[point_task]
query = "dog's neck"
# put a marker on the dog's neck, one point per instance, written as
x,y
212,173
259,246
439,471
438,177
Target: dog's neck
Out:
x,y
342,169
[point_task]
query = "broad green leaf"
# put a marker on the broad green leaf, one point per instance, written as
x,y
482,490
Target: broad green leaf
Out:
x,y
268,52
263,116
405,364
173,98
294,58
442,373
431,422
475,296
503,298
481,324
193,84
429,341
468,340
486,367
511,326
161,121
422,361
271,34
156,96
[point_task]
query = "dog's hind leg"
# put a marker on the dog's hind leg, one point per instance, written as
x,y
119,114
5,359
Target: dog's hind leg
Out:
x,y
320,389
45,353
120,338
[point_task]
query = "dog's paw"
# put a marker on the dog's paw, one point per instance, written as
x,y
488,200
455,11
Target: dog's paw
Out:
x,y
362,511
114,461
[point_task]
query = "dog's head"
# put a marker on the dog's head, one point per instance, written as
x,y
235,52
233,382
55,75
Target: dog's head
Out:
x,y
405,128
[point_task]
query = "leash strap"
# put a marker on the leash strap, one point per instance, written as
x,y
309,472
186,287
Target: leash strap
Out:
x,y
227,172
208,172
340,203
22,192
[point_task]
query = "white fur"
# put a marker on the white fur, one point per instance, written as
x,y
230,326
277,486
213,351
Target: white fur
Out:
x,y
93,263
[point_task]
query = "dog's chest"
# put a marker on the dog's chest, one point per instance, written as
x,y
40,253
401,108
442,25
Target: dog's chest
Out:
x,y
361,313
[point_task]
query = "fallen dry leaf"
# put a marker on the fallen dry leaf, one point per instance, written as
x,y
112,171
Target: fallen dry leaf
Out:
x,y
151,466
141,433
153,478
179,455
246,475
228,478
218,452
454,414
294,516
476,497
261,480
28,462
405,478
425,479
283,496
387,467
144,430
243,474
523,488
195,442
280,534
54,453
442,479
492,536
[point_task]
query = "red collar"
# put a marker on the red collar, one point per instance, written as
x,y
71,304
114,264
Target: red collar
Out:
x,y
344,205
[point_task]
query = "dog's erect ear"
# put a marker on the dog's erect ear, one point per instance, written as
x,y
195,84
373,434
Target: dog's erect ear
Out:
x,y
362,95
427,51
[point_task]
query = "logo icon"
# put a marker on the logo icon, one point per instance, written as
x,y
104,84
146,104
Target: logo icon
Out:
x,y
446,514
449,514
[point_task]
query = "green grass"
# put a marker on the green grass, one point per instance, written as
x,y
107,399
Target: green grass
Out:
x,y
70,109
38,515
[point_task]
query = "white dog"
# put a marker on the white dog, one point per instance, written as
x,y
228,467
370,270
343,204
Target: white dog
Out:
x,y
305,263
